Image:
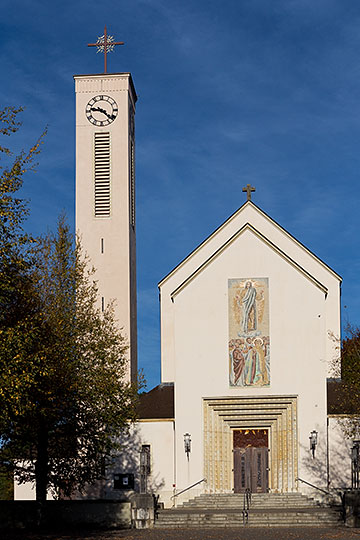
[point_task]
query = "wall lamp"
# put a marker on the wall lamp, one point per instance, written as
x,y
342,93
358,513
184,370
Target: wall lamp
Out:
x,y
187,444
313,442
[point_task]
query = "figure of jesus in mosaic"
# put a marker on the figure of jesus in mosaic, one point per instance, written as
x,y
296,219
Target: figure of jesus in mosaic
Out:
x,y
249,343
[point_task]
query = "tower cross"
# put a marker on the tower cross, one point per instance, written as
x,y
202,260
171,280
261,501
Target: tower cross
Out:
x,y
248,190
105,44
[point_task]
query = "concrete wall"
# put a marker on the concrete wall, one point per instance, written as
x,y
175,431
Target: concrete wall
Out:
x,y
248,213
304,308
160,436
115,265
62,514
339,455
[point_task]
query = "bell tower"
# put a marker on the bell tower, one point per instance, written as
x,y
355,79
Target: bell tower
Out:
x,y
105,192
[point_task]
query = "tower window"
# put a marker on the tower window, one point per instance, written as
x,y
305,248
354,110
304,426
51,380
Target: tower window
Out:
x,y
132,183
102,303
102,245
102,174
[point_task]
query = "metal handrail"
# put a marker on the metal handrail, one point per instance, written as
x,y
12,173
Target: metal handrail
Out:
x,y
246,508
312,485
186,489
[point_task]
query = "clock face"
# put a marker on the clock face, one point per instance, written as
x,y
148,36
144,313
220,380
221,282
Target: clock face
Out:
x,y
101,110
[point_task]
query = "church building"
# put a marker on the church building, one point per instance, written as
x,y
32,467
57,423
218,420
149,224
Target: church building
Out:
x,y
250,322
247,326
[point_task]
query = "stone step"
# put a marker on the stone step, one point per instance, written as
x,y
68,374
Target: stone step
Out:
x,y
266,510
254,496
264,524
234,523
221,500
252,519
250,523
254,504
254,515
275,521
270,503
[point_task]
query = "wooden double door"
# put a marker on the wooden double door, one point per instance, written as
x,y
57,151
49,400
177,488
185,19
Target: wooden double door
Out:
x,y
251,461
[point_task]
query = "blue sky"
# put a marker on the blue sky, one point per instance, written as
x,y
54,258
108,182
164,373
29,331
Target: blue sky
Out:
x,y
230,93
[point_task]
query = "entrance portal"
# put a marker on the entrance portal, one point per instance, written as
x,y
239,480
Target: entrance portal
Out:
x,y
251,468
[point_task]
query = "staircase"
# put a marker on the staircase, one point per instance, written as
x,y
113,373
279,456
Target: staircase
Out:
x,y
266,510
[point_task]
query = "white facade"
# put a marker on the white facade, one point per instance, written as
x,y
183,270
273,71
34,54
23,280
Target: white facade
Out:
x,y
303,301
105,192
304,312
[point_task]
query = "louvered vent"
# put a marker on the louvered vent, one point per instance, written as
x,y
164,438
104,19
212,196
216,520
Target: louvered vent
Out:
x,y
102,174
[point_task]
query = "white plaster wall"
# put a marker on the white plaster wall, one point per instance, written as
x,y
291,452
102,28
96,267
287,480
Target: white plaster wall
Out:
x,y
160,435
298,318
248,213
340,455
24,492
115,268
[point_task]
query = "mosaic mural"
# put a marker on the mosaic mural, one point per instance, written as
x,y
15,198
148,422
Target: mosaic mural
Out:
x,y
249,341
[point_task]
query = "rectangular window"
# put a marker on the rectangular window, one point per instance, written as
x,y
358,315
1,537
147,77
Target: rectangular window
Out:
x,y
102,174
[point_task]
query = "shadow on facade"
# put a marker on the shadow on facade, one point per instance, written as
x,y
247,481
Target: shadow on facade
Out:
x,y
330,469
123,473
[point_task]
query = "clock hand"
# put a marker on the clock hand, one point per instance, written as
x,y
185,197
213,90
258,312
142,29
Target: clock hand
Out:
x,y
110,116
100,110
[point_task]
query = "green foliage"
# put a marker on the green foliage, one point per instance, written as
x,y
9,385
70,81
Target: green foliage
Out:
x,y
350,357
346,392
64,398
6,484
14,242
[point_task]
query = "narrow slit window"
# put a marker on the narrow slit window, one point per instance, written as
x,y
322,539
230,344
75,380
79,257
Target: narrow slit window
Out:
x,y
132,183
102,245
102,174
102,303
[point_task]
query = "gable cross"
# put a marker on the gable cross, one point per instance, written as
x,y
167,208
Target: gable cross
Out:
x,y
104,45
248,190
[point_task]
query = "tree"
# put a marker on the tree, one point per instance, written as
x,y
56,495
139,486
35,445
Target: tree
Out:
x,y
6,484
345,390
14,242
15,261
63,395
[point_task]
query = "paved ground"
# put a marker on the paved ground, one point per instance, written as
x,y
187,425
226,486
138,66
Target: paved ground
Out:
x,y
198,534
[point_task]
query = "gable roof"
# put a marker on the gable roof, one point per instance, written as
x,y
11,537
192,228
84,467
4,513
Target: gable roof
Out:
x,y
225,223
158,403
246,227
